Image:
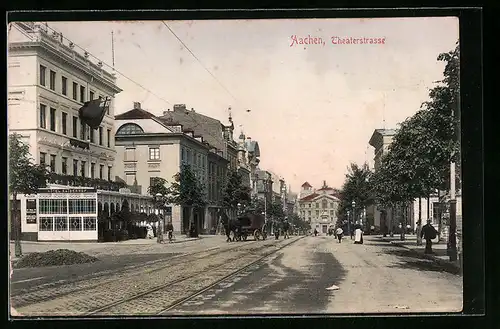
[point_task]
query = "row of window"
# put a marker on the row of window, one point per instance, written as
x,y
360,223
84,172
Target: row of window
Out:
x,y
324,205
85,131
79,93
191,157
76,206
309,213
154,153
82,165
64,223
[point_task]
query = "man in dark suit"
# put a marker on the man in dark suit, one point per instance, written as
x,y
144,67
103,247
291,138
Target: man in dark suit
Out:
x,y
428,233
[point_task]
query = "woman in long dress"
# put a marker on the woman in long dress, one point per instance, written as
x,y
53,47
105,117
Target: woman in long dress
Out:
x,y
358,234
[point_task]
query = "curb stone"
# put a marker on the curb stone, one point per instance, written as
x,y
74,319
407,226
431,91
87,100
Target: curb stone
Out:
x,y
438,260
15,259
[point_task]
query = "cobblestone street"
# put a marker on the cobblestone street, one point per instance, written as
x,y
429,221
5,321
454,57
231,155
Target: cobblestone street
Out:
x,y
210,276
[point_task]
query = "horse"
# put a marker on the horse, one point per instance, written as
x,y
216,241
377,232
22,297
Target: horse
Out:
x,y
230,225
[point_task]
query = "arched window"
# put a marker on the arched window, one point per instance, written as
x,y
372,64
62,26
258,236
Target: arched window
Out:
x,y
325,204
130,129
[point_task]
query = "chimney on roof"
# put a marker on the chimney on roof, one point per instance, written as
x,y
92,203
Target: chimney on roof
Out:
x,y
179,107
137,106
192,109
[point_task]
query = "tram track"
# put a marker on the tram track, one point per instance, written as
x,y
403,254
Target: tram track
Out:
x,y
58,289
152,302
111,292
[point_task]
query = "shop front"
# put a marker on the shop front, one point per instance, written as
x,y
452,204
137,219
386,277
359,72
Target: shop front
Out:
x,y
67,214
62,213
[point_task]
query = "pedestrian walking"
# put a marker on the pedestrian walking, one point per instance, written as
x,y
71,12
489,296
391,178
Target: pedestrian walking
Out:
x,y
358,232
286,227
315,232
149,230
339,233
428,233
170,230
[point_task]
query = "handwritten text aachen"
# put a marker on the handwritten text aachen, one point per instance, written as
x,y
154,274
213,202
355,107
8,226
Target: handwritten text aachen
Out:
x,y
335,40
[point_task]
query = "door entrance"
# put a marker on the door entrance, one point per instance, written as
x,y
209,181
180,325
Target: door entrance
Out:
x,y
324,229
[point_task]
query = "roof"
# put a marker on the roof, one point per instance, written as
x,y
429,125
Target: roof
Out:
x,y
209,128
377,133
309,197
253,147
135,114
306,184
315,195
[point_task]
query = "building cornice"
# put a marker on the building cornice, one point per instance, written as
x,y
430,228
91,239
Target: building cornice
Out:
x,y
76,61
160,136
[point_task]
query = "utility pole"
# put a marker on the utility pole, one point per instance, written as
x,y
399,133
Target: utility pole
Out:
x,y
452,240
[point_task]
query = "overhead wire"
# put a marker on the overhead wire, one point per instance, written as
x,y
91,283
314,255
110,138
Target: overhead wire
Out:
x,y
197,123
206,69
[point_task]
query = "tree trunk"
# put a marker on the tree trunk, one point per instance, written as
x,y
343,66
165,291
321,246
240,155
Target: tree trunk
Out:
x,y
419,222
428,206
391,228
191,220
403,222
17,225
439,216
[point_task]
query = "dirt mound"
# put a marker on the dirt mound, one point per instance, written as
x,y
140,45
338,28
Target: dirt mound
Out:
x,y
54,258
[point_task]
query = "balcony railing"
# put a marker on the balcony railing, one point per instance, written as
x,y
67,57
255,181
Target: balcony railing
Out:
x,y
99,184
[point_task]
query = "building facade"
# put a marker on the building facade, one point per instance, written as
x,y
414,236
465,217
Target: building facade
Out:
x,y
318,207
225,153
147,148
383,218
425,208
48,82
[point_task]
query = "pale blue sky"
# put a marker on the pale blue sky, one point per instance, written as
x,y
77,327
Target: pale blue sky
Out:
x,y
313,109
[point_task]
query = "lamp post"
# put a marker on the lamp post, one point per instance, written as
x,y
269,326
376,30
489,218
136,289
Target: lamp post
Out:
x,y
160,201
264,181
353,204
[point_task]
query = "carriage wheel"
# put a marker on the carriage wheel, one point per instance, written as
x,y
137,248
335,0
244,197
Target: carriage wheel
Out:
x,y
257,235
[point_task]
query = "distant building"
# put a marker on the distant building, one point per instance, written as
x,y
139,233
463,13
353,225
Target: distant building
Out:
x,y
318,207
227,154
380,141
148,147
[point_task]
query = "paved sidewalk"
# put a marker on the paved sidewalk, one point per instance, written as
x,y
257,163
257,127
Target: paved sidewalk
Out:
x,y
440,249
104,247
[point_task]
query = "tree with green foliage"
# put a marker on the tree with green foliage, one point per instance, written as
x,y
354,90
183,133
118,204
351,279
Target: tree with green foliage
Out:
x,y
257,205
187,191
301,225
159,186
235,192
417,163
25,177
275,210
356,188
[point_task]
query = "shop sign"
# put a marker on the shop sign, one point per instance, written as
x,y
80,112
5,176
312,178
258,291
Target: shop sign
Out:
x,y
31,211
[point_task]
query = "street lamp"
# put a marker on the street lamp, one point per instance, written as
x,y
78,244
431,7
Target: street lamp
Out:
x,y
353,204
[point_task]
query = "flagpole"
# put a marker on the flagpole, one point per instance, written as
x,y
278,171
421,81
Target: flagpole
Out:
x,y
113,50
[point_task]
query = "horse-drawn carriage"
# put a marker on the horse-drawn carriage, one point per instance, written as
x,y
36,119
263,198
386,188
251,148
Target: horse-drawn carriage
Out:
x,y
245,225
251,224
